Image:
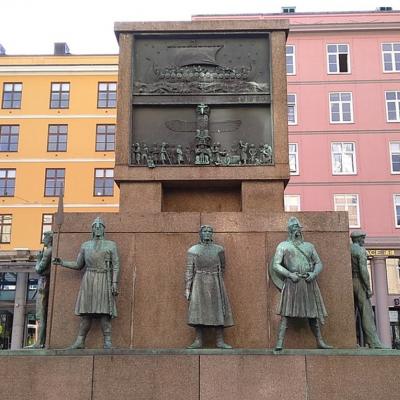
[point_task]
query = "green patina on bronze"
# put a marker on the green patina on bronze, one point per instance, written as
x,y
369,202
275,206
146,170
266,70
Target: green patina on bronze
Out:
x,y
99,286
298,265
42,268
205,289
362,289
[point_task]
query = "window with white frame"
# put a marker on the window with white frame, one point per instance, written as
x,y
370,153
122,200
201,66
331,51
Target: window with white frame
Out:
x,y
290,60
341,107
343,158
349,203
391,57
293,159
292,202
395,157
292,108
392,106
397,209
338,58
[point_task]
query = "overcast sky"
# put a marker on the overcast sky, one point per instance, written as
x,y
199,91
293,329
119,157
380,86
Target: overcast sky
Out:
x,y
32,26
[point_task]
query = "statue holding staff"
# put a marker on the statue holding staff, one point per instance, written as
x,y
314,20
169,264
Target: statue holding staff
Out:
x,y
99,286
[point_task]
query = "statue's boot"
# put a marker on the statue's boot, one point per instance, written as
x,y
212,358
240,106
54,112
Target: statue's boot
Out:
x,y
377,344
107,342
220,338
84,327
198,341
105,322
281,334
316,330
79,343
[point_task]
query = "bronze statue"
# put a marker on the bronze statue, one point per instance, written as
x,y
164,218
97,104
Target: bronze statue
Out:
x,y
42,268
362,289
205,290
99,286
298,263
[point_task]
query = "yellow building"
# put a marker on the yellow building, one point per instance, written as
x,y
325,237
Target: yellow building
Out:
x,y
57,130
57,127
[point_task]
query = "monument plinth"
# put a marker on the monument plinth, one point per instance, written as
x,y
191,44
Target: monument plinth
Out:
x,y
204,90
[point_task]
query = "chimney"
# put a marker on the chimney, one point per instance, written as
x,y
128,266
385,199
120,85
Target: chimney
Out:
x,y
61,49
2,50
288,10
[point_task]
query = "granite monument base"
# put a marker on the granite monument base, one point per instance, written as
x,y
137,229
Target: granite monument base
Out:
x,y
205,374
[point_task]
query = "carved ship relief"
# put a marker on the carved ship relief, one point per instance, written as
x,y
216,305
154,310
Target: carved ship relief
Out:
x,y
196,70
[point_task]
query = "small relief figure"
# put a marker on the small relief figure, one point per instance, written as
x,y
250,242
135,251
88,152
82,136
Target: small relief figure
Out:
x,y
265,154
362,289
164,156
99,285
155,153
42,268
215,149
205,290
252,153
224,157
298,263
243,152
188,154
137,153
203,155
179,154
145,154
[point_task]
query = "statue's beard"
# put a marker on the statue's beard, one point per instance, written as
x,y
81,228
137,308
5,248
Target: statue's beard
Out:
x,y
296,236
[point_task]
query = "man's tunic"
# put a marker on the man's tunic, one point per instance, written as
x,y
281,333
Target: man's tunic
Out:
x,y
208,302
100,257
300,299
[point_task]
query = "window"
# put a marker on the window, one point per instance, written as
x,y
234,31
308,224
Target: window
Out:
x,y
292,109
290,60
7,182
292,202
59,97
12,94
293,159
5,228
54,182
103,182
395,157
343,158
392,106
9,135
47,223
107,95
105,137
349,203
341,107
397,210
338,58
57,138
391,57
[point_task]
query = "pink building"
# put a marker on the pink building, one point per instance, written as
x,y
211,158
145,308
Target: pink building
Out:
x,y
343,77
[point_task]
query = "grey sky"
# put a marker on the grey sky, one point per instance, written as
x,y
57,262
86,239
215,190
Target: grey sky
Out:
x,y
32,26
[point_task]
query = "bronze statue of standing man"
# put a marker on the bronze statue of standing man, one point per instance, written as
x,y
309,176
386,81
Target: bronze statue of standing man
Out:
x,y
99,286
298,263
362,289
205,290
42,268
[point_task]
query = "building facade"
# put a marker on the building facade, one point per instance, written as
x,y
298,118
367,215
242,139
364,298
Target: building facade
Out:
x,y
343,80
57,134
